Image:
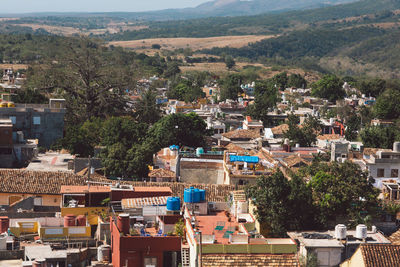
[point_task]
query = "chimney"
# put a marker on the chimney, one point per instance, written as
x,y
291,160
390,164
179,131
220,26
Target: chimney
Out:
x,y
123,223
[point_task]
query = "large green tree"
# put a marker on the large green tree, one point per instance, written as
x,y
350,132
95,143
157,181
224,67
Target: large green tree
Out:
x,y
372,87
178,129
92,78
125,152
329,87
277,199
266,97
380,136
306,135
387,105
230,87
296,80
146,109
342,190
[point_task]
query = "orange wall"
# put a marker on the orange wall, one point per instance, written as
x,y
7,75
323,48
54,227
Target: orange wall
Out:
x,y
47,200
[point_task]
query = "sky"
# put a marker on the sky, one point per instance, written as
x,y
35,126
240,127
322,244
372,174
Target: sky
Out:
x,y
28,6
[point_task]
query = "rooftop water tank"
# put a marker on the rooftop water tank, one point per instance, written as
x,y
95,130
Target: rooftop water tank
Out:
x,y
361,231
196,195
81,220
188,195
340,231
173,203
199,151
396,147
103,253
69,220
202,194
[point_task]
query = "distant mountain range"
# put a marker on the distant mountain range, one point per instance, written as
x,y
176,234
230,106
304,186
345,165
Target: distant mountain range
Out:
x,y
216,8
254,7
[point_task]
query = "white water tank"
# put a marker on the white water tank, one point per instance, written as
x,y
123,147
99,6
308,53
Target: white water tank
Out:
x,y
340,231
242,207
396,147
3,241
361,231
103,253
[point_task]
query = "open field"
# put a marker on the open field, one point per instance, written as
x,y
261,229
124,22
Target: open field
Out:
x,y
14,66
193,43
265,72
111,28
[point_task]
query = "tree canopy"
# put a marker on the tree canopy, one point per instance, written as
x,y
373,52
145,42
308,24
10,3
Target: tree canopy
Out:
x,y
306,135
329,87
266,97
380,136
387,105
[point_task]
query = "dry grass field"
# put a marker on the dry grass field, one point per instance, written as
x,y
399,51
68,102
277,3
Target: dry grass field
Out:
x,y
68,31
193,43
14,66
264,72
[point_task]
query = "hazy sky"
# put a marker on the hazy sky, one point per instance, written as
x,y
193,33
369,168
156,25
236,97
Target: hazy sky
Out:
x,y
24,6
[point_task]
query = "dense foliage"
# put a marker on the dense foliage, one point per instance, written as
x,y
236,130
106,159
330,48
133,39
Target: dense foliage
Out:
x,y
334,192
306,135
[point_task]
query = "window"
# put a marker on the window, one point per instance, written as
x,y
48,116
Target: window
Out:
x,y
36,120
394,173
380,173
150,262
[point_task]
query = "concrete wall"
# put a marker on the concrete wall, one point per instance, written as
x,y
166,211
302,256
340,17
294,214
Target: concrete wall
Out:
x,y
202,172
48,131
355,261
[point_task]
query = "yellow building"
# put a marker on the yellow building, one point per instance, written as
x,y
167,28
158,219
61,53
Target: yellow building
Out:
x,y
44,186
374,255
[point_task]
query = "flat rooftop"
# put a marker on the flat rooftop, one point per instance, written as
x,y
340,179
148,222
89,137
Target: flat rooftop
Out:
x,y
50,161
218,225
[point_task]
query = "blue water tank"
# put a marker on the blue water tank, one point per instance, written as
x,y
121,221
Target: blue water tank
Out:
x,y
188,195
199,151
197,196
173,203
202,195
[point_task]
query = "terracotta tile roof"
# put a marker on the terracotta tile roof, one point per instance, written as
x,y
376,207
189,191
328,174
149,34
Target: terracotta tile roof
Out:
x,y
37,182
294,160
395,238
373,151
375,255
241,133
278,260
152,189
162,173
214,192
235,148
280,129
65,189
328,137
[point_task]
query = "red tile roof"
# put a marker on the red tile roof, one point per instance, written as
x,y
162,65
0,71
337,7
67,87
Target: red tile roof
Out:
x,y
280,129
395,238
239,260
328,137
162,173
38,182
65,189
241,133
380,255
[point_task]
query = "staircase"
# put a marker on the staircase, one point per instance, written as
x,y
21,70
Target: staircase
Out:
x,y
185,255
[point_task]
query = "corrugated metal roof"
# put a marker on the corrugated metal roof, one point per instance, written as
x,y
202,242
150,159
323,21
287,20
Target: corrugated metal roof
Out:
x,y
131,203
